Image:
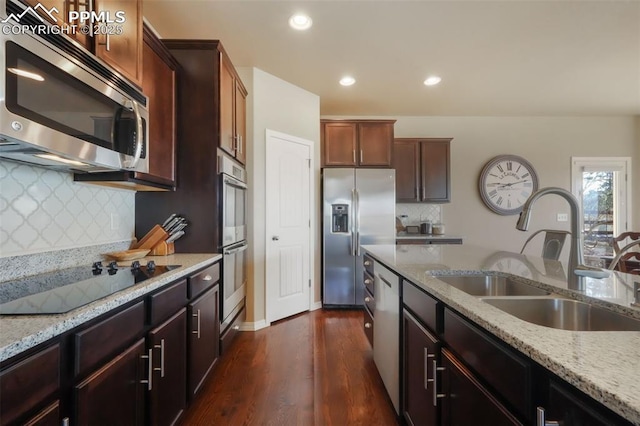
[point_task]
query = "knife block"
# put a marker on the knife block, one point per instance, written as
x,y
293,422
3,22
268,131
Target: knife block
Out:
x,y
163,248
153,238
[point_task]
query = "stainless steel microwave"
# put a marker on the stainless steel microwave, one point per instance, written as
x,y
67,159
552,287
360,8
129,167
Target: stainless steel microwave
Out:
x,y
56,112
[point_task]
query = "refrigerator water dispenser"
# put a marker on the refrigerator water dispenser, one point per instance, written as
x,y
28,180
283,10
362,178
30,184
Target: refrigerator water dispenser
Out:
x,y
340,218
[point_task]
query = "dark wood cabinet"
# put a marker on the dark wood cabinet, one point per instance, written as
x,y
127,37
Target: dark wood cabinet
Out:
x,y
30,383
356,143
421,353
204,125
465,401
115,393
422,170
49,416
159,85
122,51
570,408
168,394
204,338
117,44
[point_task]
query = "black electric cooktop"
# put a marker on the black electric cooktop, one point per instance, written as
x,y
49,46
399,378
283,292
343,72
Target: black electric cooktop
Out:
x,y
64,290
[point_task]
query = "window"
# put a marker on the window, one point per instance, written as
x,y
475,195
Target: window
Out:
x,y
603,188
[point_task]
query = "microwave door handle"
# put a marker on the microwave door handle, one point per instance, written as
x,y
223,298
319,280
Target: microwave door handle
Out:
x,y
139,135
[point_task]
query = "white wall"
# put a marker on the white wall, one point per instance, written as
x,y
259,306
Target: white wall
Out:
x,y
276,105
547,142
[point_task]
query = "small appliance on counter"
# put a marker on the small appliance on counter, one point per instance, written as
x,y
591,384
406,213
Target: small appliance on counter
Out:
x,y
438,229
425,228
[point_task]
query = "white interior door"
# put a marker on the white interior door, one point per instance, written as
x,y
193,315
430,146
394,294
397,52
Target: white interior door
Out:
x,y
288,227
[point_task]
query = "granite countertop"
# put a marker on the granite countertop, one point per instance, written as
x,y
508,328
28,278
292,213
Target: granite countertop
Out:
x,y
405,236
19,333
602,364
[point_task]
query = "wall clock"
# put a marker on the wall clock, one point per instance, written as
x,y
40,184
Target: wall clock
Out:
x,y
506,182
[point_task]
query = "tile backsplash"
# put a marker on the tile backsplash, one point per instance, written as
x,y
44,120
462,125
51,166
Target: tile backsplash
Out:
x,y
419,212
44,210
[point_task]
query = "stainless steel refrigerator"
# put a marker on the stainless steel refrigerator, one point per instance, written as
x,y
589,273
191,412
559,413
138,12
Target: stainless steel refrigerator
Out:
x,y
359,208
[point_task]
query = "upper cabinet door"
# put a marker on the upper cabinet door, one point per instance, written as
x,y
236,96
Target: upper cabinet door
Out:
x,y
159,84
227,91
241,122
122,51
406,161
64,7
339,144
436,182
375,144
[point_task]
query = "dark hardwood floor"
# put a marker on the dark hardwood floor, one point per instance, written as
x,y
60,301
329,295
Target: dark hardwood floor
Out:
x,y
312,369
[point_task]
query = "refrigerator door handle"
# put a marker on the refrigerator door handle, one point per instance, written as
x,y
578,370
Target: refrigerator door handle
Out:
x,y
357,215
353,222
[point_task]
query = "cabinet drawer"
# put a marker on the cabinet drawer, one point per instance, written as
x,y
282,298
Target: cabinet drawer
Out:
x,y
97,343
49,416
507,372
367,324
425,307
203,280
232,331
167,302
369,301
368,282
368,264
29,383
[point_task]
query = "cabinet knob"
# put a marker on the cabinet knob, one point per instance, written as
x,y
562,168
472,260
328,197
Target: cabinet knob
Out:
x,y
367,263
207,278
367,281
367,325
236,327
367,299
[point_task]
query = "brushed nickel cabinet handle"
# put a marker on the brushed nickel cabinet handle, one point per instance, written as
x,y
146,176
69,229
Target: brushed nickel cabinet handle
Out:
x,y
149,369
161,347
197,332
541,420
436,395
207,278
236,327
360,156
427,380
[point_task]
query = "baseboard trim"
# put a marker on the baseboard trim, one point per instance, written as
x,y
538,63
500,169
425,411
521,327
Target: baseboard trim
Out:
x,y
315,306
254,326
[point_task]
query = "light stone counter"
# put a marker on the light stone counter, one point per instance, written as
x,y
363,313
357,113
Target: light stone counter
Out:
x,y
19,333
427,237
602,364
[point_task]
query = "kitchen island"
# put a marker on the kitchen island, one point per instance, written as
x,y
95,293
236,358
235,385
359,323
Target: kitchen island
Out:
x,y
601,364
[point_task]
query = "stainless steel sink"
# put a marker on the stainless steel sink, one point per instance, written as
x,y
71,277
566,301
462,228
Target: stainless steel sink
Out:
x,y
491,285
565,314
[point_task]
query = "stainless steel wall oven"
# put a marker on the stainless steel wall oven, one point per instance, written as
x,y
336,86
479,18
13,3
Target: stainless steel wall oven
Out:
x,y
234,234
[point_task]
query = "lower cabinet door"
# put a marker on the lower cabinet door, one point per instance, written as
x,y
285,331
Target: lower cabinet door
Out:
x,y
49,416
204,338
168,395
569,409
114,394
421,351
465,401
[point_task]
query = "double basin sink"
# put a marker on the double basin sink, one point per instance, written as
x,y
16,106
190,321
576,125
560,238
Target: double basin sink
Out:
x,y
538,306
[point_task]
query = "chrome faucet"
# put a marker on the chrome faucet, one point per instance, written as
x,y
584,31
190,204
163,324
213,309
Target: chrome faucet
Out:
x,y
577,268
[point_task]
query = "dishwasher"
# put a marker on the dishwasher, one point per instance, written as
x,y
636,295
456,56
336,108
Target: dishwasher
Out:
x,y
386,330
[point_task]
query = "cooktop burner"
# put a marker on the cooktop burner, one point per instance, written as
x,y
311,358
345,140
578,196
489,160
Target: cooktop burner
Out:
x,y
62,291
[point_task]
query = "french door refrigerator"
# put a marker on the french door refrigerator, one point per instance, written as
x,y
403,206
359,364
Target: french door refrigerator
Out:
x,y
359,208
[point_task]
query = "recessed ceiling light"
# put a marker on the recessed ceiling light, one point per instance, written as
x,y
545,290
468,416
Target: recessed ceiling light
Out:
x,y
432,81
300,22
347,81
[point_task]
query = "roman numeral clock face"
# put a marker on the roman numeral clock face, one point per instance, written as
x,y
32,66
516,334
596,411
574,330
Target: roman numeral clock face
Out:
x,y
506,182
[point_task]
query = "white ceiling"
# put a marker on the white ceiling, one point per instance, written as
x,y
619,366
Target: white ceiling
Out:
x,y
509,57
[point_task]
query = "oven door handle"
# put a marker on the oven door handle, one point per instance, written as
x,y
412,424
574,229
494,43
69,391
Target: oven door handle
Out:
x,y
236,183
236,250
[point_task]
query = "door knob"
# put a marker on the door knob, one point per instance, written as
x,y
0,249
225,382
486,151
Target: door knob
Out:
x,y
275,238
